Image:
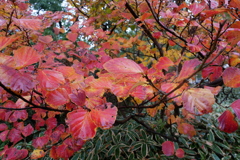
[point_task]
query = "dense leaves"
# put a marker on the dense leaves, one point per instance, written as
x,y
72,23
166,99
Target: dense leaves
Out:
x,y
68,74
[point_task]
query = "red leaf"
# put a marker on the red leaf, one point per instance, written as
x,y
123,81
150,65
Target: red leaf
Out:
x,y
27,130
33,24
15,154
50,79
79,98
180,153
18,115
5,41
3,135
3,127
164,63
212,72
15,79
187,129
25,56
104,116
40,142
81,125
57,97
227,122
51,123
198,101
168,148
14,135
231,77
122,65
236,107
188,69
235,4
209,13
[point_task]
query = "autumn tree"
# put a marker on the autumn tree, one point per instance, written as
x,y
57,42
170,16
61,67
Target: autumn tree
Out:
x,y
162,64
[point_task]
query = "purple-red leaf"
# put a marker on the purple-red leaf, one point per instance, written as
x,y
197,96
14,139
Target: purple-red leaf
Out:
x,y
227,122
231,77
236,107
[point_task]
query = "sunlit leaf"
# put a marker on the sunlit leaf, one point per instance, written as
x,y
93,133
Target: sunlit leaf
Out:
x,y
198,101
164,63
122,65
57,97
37,153
33,24
81,124
25,56
5,41
227,122
231,77
104,116
168,148
45,39
78,98
50,79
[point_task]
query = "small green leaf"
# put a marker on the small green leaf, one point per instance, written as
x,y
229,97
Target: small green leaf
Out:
x,y
211,136
117,152
215,157
131,156
144,150
184,142
136,147
217,149
143,134
190,152
219,134
111,150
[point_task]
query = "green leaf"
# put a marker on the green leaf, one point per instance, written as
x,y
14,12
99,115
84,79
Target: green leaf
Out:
x,y
117,152
136,147
219,134
217,149
131,156
143,134
222,145
183,141
191,152
215,157
211,136
111,150
144,150
202,154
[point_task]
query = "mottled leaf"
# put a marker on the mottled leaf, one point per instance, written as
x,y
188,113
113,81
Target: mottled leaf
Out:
x,y
231,77
198,101
37,153
187,129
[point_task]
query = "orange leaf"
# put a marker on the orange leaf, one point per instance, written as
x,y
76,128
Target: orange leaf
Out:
x,y
235,4
45,39
25,56
50,79
164,63
231,77
5,41
37,153
188,69
236,107
187,129
198,101
122,65
33,24
168,148
57,97
209,13
196,8
227,122
180,153
104,116
81,125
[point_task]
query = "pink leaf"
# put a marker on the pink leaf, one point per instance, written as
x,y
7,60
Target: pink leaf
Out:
x,y
122,65
81,125
57,97
236,107
27,130
198,101
5,41
227,122
25,56
164,63
40,142
50,79
45,39
79,98
188,69
3,127
168,148
14,135
33,24
51,123
72,36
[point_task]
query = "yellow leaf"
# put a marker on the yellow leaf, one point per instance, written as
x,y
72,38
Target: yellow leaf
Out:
x,y
37,153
